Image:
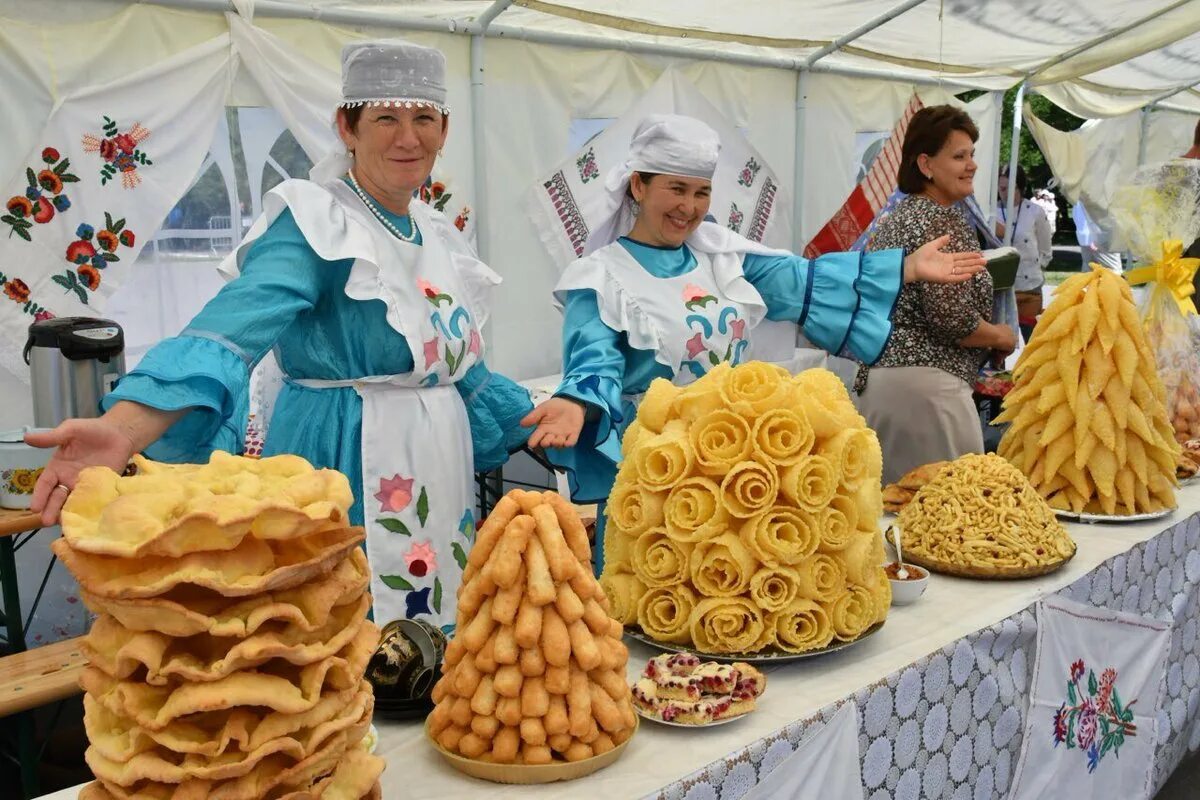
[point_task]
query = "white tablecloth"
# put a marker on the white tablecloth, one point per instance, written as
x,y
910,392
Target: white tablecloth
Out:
x,y
951,611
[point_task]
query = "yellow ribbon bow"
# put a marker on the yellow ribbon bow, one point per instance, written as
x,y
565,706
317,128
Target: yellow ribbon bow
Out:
x,y
1173,273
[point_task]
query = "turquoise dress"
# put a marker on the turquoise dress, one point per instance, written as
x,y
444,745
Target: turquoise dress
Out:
x,y
289,299
842,301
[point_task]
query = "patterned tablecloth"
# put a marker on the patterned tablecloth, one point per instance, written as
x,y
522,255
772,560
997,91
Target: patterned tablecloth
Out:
x,y
942,689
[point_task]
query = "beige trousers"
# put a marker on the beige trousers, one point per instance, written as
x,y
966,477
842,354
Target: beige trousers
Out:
x,y
921,414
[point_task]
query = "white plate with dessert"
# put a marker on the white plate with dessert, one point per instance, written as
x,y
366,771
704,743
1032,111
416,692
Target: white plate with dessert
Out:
x,y
679,689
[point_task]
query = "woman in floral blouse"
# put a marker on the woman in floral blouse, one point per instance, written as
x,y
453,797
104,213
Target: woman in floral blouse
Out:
x,y
917,396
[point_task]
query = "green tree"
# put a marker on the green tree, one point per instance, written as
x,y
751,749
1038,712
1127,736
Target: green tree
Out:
x,y
1030,155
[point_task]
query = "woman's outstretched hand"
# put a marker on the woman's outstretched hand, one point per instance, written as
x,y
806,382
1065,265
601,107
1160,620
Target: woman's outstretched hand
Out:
x,y
930,264
558,422
81,443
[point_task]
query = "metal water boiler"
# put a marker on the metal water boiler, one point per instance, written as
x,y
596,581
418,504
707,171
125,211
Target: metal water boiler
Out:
x,y
73,362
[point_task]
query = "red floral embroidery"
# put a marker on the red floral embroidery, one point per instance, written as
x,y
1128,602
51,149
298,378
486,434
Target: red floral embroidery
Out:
x,y
120,152
43,196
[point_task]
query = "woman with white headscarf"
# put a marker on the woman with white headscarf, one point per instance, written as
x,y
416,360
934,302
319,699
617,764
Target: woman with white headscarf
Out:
x,y
676,295
374,304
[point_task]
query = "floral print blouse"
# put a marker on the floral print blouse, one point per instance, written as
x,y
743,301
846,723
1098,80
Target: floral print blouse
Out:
x,y
931,318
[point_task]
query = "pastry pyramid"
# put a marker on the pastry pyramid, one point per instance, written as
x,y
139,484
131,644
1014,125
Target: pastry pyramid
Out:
x,y
1088,422
535,672
228,654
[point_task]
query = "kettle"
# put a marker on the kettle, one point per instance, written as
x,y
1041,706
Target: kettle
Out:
x,y
73,362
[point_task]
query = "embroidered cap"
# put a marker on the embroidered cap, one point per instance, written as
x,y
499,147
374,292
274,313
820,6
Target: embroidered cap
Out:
x,y
393,72
669,144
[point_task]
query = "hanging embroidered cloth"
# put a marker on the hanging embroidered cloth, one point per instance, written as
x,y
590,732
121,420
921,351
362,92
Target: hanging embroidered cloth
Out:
x,y
1091,727
112,160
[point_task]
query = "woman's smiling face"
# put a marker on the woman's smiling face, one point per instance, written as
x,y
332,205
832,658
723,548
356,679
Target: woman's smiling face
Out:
x,y
672,207
394,148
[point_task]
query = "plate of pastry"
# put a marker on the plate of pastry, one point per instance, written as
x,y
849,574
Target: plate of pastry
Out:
x,y
679,689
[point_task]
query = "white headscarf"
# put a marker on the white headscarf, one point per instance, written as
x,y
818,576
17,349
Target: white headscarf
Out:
x,y
663,144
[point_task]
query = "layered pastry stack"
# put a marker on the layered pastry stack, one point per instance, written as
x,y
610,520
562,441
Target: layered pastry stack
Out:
x,y
227,659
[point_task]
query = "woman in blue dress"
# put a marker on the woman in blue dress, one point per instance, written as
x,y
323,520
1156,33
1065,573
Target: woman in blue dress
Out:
x,y
678,295
374,305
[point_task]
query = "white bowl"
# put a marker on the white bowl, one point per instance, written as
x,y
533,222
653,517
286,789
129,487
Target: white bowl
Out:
x,y
905,592
20,467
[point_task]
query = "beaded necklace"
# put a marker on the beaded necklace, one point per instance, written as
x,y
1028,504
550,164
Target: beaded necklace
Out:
x,y
379,215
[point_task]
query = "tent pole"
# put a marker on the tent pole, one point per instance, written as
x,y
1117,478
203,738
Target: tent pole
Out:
x,y
998,99
1014,154
479,123
1142,130
798,170
861,30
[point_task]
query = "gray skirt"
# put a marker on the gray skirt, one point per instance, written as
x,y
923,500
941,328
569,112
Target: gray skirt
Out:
x,y
921,414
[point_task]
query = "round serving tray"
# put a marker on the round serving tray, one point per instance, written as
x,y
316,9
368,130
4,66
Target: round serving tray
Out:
x,y
986,573
1071,516
750,658
529,773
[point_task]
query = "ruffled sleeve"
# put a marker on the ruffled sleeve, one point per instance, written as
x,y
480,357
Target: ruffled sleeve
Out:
x,y
841,300
495,406
207,368
593,374
195,373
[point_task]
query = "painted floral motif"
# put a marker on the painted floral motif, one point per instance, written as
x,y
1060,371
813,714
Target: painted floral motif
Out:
x,y
434,193
432,354
694,297
395,493
456,331
702,355
420,559
90,260
17,291
43,196
433,294
586,164
466,527
1093,719
20,481
749,172
735,218
120,152
463,218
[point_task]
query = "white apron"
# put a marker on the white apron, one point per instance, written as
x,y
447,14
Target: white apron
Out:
x,y
417,461
691,322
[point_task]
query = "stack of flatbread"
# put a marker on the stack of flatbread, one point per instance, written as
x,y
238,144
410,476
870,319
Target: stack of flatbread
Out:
x,y
899,494
228,655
